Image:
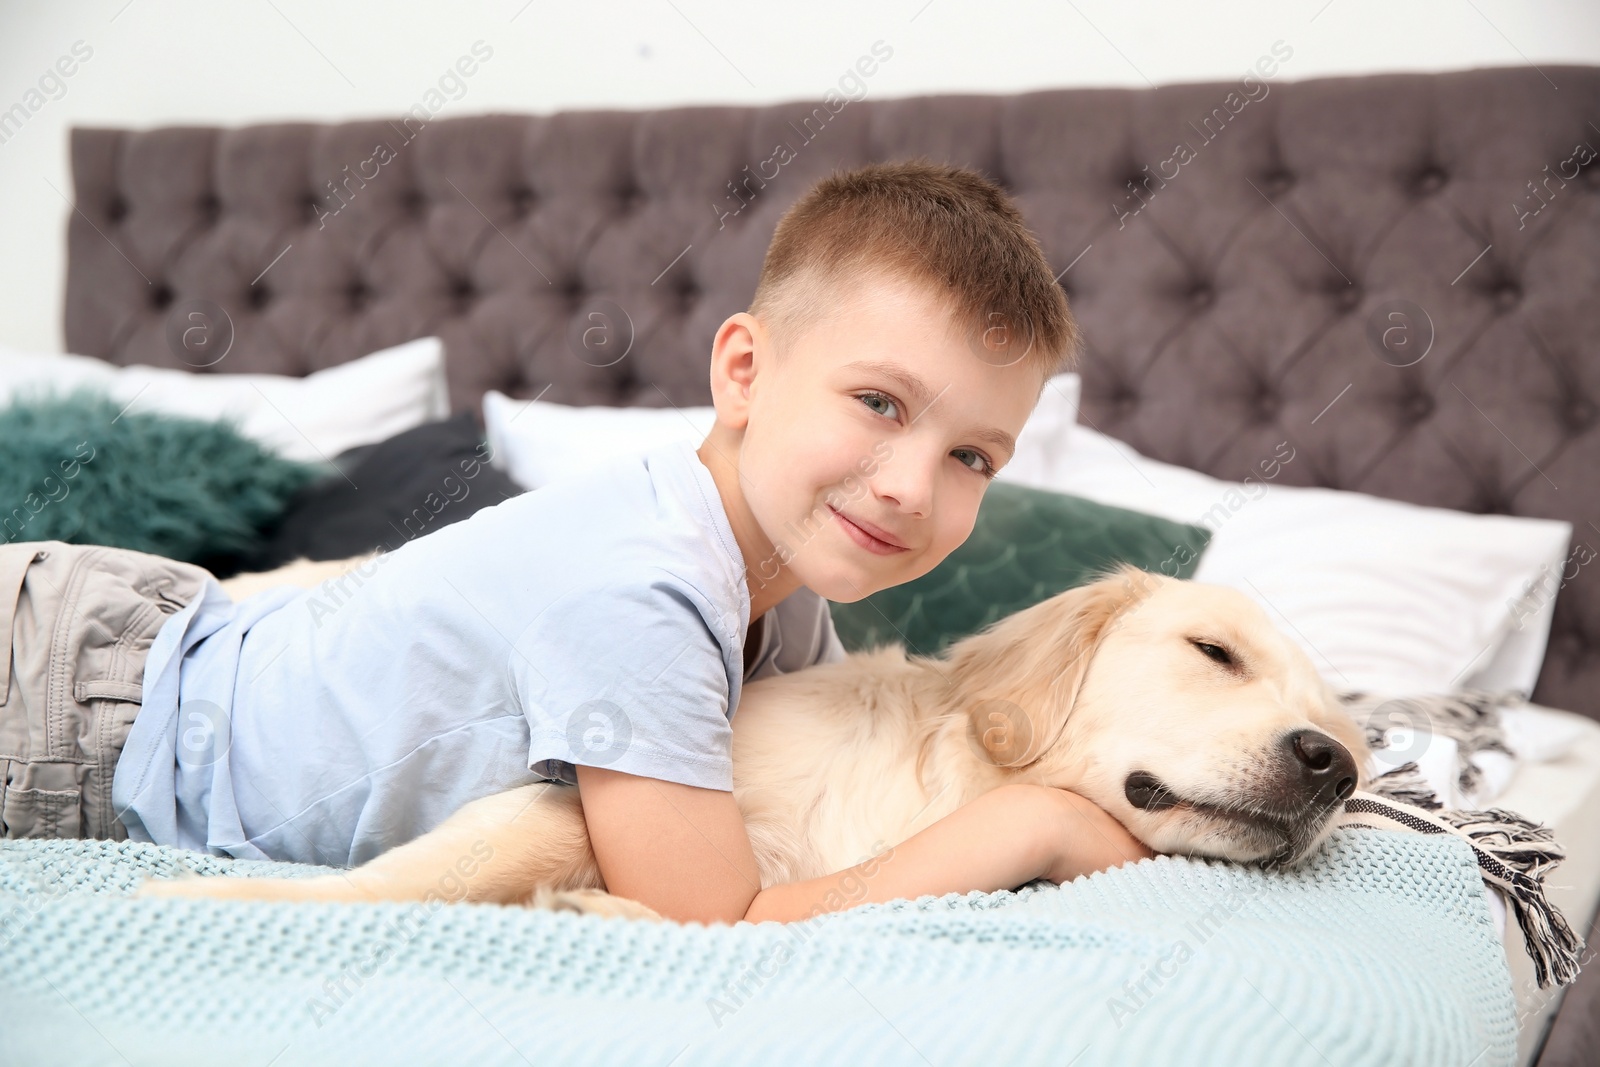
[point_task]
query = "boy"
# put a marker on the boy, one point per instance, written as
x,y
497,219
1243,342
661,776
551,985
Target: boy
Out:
x,y
598,631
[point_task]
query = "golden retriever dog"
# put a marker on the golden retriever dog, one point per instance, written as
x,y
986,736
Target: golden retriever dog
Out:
x,y
1175,706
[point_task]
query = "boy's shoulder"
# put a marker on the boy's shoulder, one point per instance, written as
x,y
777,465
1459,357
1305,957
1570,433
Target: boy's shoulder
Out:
x,y
651,521
610,501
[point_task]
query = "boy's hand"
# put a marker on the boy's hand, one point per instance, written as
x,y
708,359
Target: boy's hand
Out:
x,y
1088,839
678,849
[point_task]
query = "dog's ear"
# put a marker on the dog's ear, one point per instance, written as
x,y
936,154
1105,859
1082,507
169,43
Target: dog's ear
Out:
x,y
1018,679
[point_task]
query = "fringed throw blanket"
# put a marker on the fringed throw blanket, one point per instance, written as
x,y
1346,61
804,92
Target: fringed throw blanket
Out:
x,y
1469,744
1513,854
1379,949
1468,729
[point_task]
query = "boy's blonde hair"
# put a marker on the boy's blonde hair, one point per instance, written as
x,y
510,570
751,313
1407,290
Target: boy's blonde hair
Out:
x,y
943,227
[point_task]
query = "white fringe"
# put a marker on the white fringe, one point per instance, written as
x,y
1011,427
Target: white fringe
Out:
x,y
1514,854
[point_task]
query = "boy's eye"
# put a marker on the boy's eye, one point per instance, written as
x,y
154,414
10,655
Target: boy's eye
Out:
x,y
983,466
970,457
888,402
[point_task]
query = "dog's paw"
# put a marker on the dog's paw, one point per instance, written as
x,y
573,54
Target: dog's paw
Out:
x,y
591,902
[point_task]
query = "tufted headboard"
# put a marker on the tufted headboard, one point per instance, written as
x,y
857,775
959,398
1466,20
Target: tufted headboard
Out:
x,y
1399,274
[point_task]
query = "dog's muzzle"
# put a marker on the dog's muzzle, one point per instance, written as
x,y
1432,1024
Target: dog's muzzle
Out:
x,y
1313,770
1307,777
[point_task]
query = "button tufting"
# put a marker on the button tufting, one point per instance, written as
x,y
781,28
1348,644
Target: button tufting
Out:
x,y
1580,413
1506,295
1201,296
1430,181
522,200
258,296
210,207
1418,407
117,210
1279,182
1348,298
161,296
461,288
1267,405
312,207
358,294
1125,401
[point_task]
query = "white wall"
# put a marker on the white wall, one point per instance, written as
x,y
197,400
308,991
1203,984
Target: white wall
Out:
x,y
160,62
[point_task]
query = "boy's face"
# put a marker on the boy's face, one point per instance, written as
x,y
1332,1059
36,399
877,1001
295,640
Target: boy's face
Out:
x,y
866,446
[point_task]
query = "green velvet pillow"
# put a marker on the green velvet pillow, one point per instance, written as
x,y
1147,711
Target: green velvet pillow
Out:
x,y
1026,546
79,468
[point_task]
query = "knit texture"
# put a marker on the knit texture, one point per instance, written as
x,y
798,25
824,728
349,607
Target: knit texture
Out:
x,y
1378,950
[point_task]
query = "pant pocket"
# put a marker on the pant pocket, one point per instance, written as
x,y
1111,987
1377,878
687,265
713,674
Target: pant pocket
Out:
x,y
41,813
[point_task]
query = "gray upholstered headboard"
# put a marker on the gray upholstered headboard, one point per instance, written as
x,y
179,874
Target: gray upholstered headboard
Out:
x,y
1251,262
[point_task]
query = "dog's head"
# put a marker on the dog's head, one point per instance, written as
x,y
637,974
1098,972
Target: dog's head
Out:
x,y
1175,706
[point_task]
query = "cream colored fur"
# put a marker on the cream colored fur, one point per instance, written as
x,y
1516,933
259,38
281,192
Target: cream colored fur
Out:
x,y
304,573
835,763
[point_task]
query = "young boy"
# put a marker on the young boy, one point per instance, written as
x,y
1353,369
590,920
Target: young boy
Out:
x,y
596,632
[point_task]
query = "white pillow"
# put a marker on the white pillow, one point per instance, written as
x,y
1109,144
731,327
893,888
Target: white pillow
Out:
x,y
311,418
1381,595
537,442
1046,434
1515,664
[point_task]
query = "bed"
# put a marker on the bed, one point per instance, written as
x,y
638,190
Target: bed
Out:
x,y
1564,795
1227,306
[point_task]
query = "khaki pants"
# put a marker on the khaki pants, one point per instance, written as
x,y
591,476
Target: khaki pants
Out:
x,y
76,624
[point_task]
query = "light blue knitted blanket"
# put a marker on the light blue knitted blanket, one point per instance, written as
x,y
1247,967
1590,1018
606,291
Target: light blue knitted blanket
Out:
x,y
1378,950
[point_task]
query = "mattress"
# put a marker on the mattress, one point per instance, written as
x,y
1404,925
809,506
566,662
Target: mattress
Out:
x,y
1564,794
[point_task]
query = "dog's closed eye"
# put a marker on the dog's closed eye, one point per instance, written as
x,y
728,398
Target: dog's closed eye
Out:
x,y
1216,652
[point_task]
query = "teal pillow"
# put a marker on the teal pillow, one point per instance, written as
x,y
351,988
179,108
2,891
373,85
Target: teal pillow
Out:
x,y
1026,546
79,468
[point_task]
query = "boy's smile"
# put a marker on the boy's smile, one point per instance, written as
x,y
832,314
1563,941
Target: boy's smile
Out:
x,y
855,459
870,537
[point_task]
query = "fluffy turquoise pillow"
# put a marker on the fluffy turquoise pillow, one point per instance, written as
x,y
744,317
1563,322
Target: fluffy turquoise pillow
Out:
x,y
1027,545
78,468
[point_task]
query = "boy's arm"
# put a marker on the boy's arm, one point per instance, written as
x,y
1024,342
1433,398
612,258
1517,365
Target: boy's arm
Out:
x,y
684,851
679,849
1000,840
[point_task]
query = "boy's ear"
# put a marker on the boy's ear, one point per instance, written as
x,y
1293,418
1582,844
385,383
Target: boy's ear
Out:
x,y
1019,679
733,367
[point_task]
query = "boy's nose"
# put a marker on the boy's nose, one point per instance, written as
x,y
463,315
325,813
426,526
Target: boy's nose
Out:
x,y
905,481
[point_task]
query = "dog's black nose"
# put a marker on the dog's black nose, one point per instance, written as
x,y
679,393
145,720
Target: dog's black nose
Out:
x,y
1324,764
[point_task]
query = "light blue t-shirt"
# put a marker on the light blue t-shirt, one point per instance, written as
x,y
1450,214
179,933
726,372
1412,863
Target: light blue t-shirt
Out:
x,y
599,620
